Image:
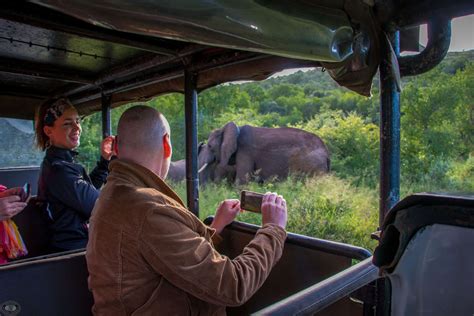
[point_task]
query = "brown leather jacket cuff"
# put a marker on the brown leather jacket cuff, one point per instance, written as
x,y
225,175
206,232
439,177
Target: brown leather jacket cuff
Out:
x,y
215,237
275,231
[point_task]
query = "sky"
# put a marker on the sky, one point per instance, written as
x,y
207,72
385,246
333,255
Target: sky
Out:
x,y
462,34
462,38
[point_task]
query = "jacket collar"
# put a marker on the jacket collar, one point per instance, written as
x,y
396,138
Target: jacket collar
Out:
x,y
141,176
61,154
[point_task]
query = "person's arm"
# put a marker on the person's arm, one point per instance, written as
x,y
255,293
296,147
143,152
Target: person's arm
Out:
x,y
100,173
69,186
191,263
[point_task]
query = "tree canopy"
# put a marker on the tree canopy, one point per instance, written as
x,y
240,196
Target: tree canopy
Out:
x,y
437,120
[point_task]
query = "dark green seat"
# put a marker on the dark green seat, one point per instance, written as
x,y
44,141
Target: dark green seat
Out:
x,y
49,285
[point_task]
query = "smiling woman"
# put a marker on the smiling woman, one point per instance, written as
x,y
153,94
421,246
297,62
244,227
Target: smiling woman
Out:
x,y
69,192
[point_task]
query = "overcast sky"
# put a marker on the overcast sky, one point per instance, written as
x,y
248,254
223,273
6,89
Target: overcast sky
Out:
x,y
462,34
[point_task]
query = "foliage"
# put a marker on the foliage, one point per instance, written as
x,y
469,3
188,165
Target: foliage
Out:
x,y
437,140
353,143
462,174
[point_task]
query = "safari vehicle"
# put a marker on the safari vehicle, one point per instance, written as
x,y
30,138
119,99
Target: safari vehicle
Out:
x,y
103,55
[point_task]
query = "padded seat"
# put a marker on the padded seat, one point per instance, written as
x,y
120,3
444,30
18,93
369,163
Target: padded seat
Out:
x,y
426,252
50,285
33,226
18,176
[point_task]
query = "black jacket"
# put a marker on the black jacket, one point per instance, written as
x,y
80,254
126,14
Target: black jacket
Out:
x,y
70,195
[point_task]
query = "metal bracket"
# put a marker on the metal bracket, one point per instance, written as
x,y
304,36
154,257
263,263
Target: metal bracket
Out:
x,y
439,39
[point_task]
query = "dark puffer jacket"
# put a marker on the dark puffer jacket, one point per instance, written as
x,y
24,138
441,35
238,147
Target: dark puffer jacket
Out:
x,y
70,194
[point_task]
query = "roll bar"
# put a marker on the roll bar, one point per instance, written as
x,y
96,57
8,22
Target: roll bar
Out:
x,y
191,104
439,39
321,295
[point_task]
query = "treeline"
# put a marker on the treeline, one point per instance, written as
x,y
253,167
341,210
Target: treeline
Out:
x,y
437,121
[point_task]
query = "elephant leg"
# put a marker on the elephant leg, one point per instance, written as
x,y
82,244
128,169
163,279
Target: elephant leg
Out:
x,y
220,173
244,167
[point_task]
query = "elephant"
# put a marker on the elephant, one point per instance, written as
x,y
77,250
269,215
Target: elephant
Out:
x,y
211,170
239,153
177,170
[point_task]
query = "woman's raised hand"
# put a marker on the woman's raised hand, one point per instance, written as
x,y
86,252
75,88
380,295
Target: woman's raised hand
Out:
x,y
107,147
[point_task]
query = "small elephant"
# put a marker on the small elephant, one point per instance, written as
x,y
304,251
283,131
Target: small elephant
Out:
x,y
177,170
267,152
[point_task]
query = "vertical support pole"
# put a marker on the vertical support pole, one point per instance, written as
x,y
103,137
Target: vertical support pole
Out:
x,y
389,150
106,121
190,103
389,130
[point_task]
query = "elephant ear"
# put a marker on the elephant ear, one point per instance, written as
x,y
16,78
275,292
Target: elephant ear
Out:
x,y
230,135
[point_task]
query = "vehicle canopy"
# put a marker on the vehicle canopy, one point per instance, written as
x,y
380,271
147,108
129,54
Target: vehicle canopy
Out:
x,y
135,50
104,54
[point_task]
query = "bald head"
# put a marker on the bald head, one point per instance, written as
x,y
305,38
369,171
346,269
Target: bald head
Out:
x,y
141,132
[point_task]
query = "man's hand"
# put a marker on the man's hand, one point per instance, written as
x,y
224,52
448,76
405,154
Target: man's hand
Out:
x,y
106,147
10,203
226,213
274,210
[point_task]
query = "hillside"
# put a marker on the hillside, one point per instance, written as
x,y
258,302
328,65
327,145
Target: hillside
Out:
x,y
437,112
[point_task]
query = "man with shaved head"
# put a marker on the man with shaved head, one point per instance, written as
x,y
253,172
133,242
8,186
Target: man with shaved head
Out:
x,y
148,255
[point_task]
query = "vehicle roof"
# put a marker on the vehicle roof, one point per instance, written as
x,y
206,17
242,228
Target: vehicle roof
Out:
x,y
135,50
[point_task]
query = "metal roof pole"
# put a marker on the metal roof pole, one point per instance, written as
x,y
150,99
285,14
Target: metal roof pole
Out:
x,y
106,121
389,146
190,103
389,128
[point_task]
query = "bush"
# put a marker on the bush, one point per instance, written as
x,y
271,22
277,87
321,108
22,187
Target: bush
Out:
x,y
353,144
461,174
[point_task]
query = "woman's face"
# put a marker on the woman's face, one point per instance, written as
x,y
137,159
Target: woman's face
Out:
x,y
66,130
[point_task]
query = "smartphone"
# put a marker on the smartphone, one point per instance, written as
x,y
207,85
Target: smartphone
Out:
x,y
251,201
26,192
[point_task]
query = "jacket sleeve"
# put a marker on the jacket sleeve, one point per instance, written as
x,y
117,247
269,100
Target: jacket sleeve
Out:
x,y
100,172
69,186
191,263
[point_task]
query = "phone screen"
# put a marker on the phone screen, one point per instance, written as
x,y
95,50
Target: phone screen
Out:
x,y
26,192
251,201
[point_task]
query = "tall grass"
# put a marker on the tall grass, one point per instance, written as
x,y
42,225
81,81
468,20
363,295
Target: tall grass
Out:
x,y
327,207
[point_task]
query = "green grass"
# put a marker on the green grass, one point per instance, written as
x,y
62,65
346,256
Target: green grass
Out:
x,y
327,207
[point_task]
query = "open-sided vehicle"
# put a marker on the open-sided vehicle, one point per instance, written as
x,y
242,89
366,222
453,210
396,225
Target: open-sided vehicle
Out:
x,y
104,54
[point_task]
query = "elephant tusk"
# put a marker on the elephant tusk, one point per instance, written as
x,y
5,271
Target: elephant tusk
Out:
x,y
203,167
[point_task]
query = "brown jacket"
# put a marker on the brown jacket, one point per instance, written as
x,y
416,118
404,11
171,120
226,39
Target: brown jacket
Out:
x,y
148,255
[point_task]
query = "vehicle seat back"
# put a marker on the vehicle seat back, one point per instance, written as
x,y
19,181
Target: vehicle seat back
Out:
x,y
435,275
53,285
33,227
18,176
426,253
